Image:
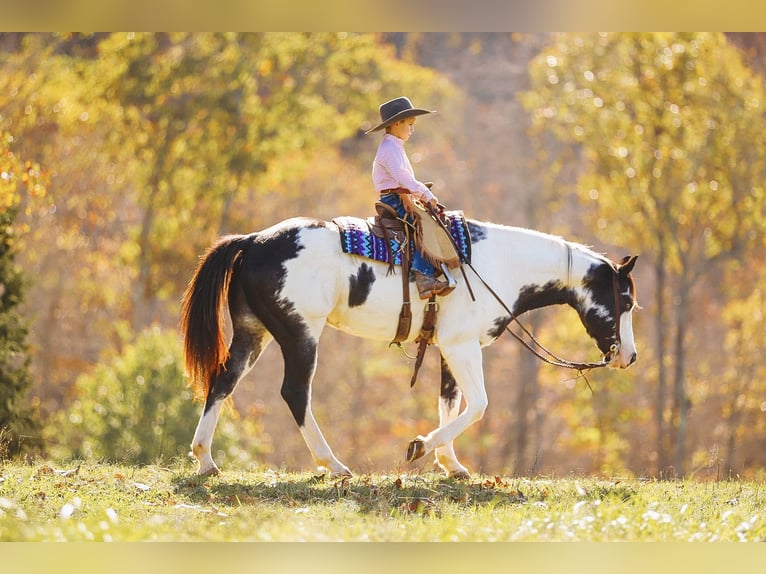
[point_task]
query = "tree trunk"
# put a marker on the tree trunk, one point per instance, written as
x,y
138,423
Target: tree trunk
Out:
x,y
526,405
680,400
228,200
142,291
661,375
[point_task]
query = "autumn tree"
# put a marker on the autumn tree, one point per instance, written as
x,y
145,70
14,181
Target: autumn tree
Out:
x,y
19,426
75,238
736,400
669,127
211,114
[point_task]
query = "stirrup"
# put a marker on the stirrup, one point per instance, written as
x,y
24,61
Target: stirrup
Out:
x,y
428,285
451,281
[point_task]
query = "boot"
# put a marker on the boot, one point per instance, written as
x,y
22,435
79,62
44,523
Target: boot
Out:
x,y
428,285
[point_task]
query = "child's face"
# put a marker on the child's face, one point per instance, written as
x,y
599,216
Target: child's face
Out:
x,y
403,128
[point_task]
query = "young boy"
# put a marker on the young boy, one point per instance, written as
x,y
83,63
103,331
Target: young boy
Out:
x,y
392,175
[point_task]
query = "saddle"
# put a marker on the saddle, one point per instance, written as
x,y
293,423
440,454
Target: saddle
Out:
x,y
388,225
388,238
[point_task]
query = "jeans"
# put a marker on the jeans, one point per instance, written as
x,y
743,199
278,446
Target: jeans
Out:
x,y
418,263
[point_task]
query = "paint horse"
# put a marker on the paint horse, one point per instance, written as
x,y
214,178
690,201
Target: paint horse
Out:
x,y
289,281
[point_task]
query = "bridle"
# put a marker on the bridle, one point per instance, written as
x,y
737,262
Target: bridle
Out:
x,y
546,355
535,347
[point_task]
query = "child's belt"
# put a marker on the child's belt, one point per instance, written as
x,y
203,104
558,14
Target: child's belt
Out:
x,y
397,190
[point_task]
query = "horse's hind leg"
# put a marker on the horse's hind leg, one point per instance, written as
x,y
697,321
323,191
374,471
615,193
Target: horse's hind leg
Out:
x,y
300,355
449,407
246,346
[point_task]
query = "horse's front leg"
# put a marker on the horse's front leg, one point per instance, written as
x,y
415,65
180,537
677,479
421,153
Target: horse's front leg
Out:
x,y
449,407
464,361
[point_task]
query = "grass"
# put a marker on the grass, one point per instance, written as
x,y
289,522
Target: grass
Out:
x,y
103,502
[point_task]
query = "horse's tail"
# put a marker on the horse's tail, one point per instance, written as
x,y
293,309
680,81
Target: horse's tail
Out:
x,y
205,349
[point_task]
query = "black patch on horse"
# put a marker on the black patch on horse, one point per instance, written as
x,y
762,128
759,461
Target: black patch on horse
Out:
x,y
262,273
448,390
536,296
599,280
476,231
360,285
498,327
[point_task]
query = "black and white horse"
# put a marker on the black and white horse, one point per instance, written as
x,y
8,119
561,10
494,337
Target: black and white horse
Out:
x,y
288,281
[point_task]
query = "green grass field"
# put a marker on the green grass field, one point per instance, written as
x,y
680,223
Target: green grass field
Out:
x,y
44,502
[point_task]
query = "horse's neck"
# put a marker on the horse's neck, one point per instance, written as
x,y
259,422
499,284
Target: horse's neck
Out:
x,y
544,269
537,258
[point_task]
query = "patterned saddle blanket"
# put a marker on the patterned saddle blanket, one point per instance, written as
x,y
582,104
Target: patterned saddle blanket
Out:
x,y
356,238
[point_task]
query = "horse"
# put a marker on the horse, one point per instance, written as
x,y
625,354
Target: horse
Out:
x,y
289,281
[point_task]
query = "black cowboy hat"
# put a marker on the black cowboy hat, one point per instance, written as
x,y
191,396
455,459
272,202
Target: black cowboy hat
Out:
x,y
397,109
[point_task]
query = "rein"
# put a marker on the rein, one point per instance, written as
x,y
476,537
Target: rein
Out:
x,y
544,354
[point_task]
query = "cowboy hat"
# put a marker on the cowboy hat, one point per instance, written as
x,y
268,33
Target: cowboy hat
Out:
x,y
397,109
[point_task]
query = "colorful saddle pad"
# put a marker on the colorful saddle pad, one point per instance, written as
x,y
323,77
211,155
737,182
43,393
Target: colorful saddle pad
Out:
x,y
357,239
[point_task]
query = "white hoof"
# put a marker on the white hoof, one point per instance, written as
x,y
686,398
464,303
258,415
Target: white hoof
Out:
x,y
205,464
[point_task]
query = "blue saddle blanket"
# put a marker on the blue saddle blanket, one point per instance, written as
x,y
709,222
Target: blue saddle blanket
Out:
x,y
356,238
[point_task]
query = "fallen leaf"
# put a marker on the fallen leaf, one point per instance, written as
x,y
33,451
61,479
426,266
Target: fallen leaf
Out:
x,y
44,470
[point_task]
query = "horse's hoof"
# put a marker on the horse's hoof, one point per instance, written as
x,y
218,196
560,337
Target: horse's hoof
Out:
x,y
460,475
416,449
209,471
344,473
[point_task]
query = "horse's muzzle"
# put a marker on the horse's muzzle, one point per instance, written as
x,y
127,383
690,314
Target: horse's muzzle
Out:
x,y
617,361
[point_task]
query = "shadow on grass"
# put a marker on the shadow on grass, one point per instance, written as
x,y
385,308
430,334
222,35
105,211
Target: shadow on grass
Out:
x,y
410,494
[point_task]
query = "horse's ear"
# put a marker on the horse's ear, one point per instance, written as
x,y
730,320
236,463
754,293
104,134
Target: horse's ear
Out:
x,y
626,265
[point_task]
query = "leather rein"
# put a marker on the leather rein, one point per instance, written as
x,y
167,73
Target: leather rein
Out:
x,y
545,354
535,347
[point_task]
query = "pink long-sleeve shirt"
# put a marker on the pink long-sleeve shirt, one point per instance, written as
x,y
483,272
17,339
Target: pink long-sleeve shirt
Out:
x,y
391,168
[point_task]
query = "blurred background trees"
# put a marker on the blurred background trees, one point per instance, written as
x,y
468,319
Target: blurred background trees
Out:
x,y
667,125
20,424
140,149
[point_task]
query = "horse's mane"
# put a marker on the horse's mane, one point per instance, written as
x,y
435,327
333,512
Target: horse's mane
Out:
x,y
534,233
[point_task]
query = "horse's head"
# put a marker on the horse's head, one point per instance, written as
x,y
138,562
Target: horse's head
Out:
x,y
606,310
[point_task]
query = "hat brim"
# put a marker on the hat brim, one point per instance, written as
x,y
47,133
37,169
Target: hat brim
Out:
x,y
400,116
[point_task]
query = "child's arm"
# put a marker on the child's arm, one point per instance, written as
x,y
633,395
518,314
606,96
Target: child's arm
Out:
x,y
398,167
